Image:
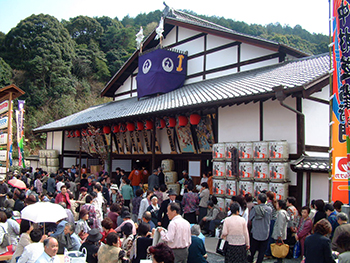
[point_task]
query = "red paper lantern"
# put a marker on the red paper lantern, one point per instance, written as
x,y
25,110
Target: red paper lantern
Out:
x,y
89,132
130,126
77,133
160,123
170,122
115,128
182,120
139,125
68,134
72,134
148,125
122,127
106,129
195,119
83,132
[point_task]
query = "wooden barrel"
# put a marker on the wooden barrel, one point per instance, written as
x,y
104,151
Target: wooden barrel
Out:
x,y
168,165
175,187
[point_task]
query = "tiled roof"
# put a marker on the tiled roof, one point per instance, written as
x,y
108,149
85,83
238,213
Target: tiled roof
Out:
x,y
226,90
311,164
191,19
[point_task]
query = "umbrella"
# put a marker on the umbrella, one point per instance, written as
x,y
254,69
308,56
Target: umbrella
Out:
x,y
42,212
17,183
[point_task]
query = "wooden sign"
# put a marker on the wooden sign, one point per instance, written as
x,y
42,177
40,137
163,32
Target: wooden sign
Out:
x,y
4,106
204,133
3,155
148,145
3,123
184,136
169,132
126,143
3,138
133,144
120,148
139,144
156,144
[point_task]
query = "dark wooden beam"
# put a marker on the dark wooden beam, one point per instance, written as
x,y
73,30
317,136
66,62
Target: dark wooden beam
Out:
x,y
318,100
261,121
186,40
315,148
209,51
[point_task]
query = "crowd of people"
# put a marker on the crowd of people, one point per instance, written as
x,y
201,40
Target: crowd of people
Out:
x,y
129,217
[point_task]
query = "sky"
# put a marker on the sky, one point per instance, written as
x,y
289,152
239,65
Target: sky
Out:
x,y
312,15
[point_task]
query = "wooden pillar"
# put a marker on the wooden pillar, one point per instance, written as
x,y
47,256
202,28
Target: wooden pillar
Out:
x,y
80,146
62,155
153,146
110,155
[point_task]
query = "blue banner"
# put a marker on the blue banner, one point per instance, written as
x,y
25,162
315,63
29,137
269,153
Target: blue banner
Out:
x,y
161,71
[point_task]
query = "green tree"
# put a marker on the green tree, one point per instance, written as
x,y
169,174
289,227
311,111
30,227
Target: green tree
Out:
x,y
5,73
84,29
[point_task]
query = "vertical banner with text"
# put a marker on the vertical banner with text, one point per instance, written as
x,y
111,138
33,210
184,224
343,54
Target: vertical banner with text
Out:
x,y
20,132
341,101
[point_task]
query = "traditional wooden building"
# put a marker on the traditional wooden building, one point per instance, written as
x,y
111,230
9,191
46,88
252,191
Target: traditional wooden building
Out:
x,y
244,88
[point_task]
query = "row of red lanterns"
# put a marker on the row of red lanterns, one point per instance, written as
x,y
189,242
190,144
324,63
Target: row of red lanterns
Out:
x,y
169,122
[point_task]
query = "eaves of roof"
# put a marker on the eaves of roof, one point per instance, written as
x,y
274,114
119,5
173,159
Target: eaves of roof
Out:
x,y
311,164
254,85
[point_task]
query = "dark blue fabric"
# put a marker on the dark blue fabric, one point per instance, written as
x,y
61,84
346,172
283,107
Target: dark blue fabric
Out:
x,y
160,71
196,251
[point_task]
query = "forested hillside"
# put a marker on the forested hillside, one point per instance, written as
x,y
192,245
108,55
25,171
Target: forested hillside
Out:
x,y
63,65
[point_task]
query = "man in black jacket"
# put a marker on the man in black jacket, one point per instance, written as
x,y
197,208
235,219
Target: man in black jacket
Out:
x,y
163,219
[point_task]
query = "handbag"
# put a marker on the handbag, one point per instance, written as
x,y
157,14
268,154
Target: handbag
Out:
x,y
75,256
296,250
6,239
279,249
221,247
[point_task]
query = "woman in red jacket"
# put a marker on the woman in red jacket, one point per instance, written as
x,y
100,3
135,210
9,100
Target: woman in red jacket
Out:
x,y
304,228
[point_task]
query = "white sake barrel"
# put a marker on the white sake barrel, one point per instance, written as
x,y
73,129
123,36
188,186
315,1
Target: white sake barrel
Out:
x,y
278,151
51,153
42,153
261,151
168,165
245,187
278,171
42,161
219,187
229,172
259,187
228,147
245,150
279,189
231,188
245,170
261,170
219,170
219,151
53,162
221,203
170,177
175,187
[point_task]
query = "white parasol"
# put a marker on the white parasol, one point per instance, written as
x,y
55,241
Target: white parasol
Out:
x,y
43,212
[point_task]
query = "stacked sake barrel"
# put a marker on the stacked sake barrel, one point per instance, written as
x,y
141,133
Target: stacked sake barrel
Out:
x,y
49,161
170,176
262,166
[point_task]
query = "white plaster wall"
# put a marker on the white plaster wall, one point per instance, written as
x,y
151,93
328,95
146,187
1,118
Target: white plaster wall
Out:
x,y
214,41
221,73
170,38
195,65
127,96
319,186
260,64
250,52
227,56
303,200
280,123
125,87
49,137
316,122
71,144
193,47
292,176
55,142
186,33
239,123
193,80
323,94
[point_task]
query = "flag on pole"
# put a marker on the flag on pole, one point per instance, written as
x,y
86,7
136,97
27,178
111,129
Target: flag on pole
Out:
x,y
20,132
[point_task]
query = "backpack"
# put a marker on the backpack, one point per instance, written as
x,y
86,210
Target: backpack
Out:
x,y
5,240
221,215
